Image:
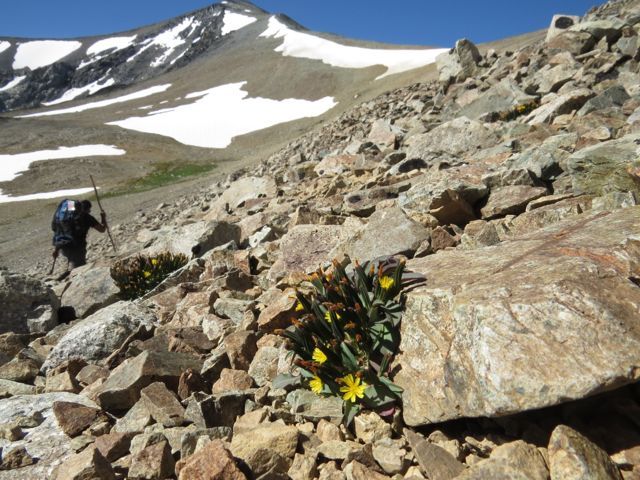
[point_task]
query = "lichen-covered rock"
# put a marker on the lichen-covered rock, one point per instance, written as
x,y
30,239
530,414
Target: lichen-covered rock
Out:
x,y
504,332
606,167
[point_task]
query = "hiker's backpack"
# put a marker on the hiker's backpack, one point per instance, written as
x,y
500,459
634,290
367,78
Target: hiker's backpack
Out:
x,y
65,223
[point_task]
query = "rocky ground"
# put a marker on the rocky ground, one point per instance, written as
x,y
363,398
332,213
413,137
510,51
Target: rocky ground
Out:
x,y
511,183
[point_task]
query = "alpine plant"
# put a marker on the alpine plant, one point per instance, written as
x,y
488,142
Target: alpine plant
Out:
x,y
346,333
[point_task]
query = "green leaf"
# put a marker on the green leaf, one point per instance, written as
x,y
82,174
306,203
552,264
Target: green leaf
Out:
x,y
285,380
350,410
348,359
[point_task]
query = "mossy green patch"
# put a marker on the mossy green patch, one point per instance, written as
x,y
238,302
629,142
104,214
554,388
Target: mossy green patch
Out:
x,y
163,174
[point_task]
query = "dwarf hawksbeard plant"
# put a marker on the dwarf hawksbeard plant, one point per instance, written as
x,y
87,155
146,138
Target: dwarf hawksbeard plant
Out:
x,y
346,332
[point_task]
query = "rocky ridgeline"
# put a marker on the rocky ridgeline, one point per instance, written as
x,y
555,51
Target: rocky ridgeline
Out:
x,y
511,183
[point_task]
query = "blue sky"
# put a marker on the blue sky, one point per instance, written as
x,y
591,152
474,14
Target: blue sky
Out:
x,y
409,22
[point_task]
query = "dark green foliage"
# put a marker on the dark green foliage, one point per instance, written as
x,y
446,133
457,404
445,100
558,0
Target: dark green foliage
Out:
x,y
348,332
138,275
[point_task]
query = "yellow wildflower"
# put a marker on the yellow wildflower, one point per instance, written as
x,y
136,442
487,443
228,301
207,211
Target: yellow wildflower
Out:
x,y
316,384
154,261
318,356
386,283
353,388
299,307
327,316
146,274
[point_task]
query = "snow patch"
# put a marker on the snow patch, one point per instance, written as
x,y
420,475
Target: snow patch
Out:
x,y
168,40
41,53
235,21
12,83
4,46
11,165
222,113
304,45
76,92
103,103
45,195
111,43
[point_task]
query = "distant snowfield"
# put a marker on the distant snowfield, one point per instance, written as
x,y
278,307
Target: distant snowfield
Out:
x,y
111,43
103,103
235,21
76,92
222,113
12,83
41,53
168,40
45,195
4,45
304,45
11,165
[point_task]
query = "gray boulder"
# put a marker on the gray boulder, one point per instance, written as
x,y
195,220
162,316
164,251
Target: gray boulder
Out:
x,y
606,167
401,235
460,137
91,288
97,336
501,97
614,96
559,24
46,441
504,332
305,247
611,28
448,195
193,239
28,305
459,63
554,105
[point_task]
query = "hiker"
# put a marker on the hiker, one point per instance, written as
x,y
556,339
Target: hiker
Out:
x,y
70,224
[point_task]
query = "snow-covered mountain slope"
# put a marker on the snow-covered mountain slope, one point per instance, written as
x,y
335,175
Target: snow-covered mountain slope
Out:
x,y
227,77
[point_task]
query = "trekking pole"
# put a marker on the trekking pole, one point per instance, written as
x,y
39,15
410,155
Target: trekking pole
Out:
x,y
113,244
53,266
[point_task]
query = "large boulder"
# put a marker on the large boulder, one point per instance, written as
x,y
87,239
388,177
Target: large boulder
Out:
x,y
459,63
501,97
97,336
121,390
401,235
529,323
196,238
91,288
28,305
305,247
460,137
448,195
606,167
242,191
559,24
46,440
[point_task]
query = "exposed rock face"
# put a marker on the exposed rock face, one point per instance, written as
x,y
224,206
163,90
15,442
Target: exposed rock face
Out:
x,y
46,441
572,456
606,167
459,63
97,336
91,288
486,337
513,190
28,305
